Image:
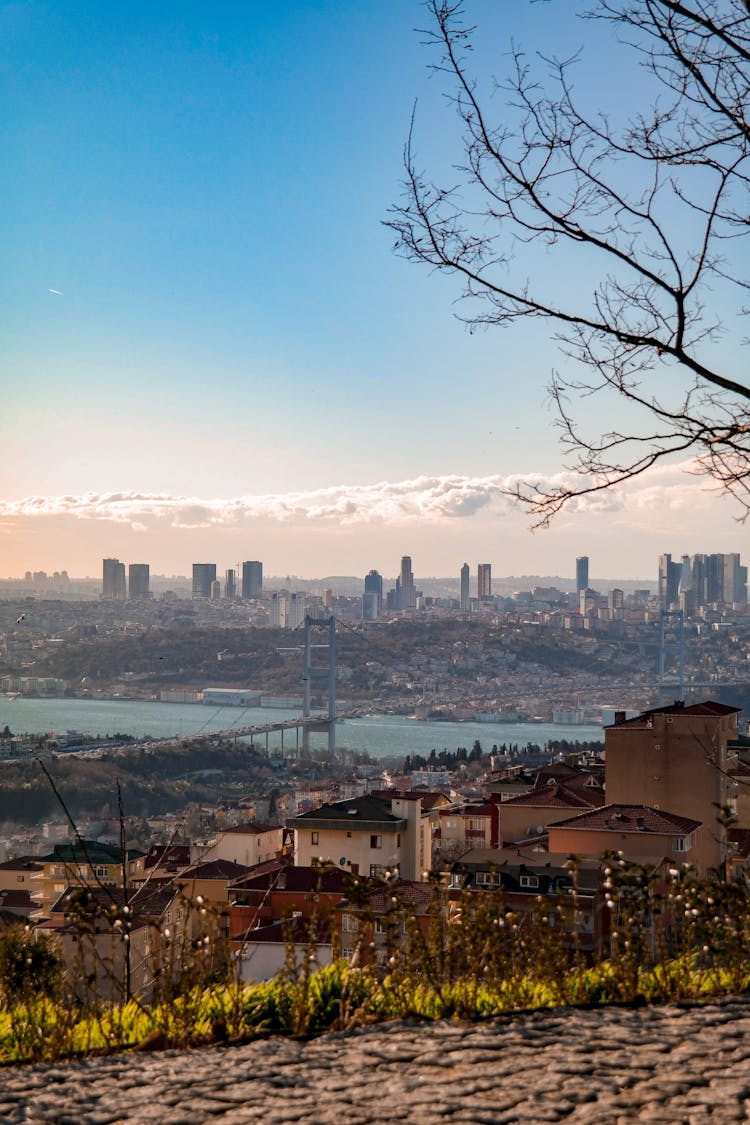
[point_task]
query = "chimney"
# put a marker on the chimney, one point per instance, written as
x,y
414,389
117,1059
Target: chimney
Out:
x,y
619,718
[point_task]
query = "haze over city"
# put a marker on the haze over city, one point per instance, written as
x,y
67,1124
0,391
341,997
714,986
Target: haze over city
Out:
x,y
212,350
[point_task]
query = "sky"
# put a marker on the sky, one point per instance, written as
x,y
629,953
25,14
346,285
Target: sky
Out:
x,y
210,350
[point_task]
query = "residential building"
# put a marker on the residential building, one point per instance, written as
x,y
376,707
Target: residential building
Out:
x,y
246,844
642,833
677,758
84,863
278,611
525,875
366,836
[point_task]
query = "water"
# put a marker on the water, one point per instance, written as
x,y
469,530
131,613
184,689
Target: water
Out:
x,y
380,735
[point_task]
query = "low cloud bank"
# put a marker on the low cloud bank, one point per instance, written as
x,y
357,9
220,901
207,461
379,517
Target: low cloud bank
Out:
x,y
422,499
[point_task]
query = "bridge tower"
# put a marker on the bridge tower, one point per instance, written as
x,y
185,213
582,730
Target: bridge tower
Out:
x,y
328,673
672,653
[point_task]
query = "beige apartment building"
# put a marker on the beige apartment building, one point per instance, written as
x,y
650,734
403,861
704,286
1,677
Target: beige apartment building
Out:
x,y
677,759
366,836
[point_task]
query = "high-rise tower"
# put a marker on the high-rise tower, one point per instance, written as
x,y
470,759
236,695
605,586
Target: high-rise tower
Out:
x,y
465,587
113,579
407,594
582,573
372,599
252,579
204,574
484,581
139,580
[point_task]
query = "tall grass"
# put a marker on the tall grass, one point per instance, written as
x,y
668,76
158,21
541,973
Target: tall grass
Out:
x,y
469,956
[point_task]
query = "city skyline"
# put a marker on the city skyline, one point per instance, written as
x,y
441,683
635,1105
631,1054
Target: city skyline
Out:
x,y
211,349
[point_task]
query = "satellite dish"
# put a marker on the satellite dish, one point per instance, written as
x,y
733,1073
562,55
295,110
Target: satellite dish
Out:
x,y
342,861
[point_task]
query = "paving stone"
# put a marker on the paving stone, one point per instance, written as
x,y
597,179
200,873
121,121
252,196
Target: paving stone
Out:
x,y
588,1067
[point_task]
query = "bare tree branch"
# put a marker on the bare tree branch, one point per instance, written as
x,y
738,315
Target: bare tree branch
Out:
x,y
653,210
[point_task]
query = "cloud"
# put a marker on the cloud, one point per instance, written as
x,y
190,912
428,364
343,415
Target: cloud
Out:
x,y
57,292
431,499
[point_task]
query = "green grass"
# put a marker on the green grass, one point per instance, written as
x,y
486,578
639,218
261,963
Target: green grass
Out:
x,y
683,939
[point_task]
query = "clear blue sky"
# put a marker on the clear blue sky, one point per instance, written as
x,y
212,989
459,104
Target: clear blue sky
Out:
x,y
198,298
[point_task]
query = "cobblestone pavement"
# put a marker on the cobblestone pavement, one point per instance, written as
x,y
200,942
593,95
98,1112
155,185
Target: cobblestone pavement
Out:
x,y
600,1067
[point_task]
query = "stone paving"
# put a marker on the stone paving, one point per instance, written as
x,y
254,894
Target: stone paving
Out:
x,y
599,1067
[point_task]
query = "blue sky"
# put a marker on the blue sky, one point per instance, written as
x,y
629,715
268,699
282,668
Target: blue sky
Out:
x,y
199,301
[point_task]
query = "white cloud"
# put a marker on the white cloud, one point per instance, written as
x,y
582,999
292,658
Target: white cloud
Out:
x,y
423,499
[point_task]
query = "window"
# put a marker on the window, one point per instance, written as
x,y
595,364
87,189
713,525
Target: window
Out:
x,y
19,878
376,841
683,843
377,870
314,837
529,881
487,879
349,923
381,926
101,872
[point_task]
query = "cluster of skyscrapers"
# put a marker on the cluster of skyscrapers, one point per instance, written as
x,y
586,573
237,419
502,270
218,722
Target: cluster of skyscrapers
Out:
x,y
701,580
116,586
246,582
405,596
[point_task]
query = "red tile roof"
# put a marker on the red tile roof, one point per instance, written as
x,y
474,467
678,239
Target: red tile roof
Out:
x,y
708,708
630,818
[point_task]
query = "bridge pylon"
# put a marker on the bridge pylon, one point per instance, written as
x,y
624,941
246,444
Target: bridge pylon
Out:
x,y
328,673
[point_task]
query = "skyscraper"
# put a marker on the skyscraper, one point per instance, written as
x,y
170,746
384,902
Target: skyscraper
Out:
x,y
203,575
113,579
464,586
230,585
484,581
252,579
406,592
735,580
372,599
139,580
669,581
582,573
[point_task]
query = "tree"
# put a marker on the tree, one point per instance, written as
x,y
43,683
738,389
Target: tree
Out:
x,y
655,208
